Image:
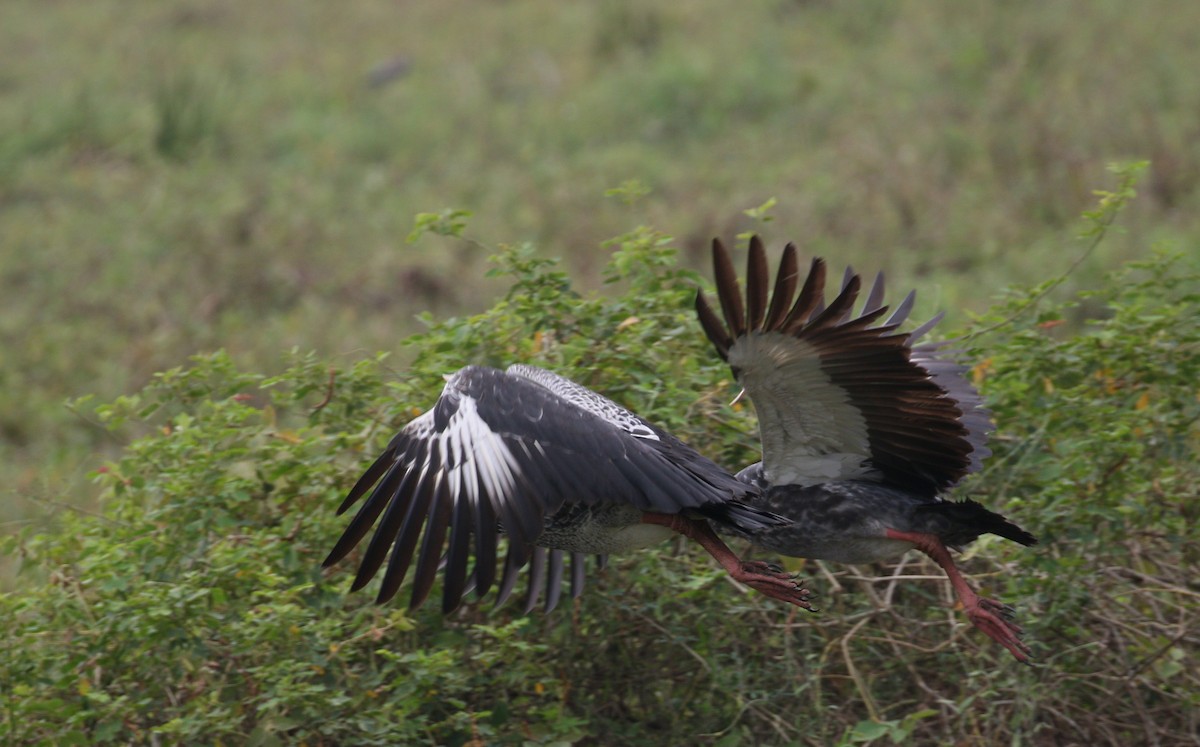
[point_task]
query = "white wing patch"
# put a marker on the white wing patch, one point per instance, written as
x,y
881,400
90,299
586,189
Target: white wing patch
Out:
x,y
586,399
471,454
810,431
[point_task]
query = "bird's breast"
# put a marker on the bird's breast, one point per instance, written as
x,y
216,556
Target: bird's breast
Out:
x,y
606,529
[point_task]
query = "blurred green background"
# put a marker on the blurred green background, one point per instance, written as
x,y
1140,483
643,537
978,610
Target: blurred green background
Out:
x,y
183,176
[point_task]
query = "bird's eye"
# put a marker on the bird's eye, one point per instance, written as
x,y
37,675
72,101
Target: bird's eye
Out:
x,y
737,371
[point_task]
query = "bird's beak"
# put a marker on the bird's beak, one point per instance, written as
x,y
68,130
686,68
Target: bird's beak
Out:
x,y
738,398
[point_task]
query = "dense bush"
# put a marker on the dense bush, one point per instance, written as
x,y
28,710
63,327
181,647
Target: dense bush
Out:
x,y
192,608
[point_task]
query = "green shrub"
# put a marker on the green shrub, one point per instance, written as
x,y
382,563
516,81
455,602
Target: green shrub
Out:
x,y
193,610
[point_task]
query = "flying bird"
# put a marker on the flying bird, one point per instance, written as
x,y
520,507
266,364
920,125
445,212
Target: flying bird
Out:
x,y
862,429
555,468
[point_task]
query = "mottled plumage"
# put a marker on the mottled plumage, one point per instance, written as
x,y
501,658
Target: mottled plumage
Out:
x,y
847,522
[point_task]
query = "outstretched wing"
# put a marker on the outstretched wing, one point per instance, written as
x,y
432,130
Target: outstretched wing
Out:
x,y
840,396
505,449
548,572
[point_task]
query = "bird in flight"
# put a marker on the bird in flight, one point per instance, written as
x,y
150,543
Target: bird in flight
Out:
x,y
560,471
862,428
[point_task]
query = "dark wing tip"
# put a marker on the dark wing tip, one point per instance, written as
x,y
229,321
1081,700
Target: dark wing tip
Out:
x,y
368,478
842,305
875,295
757,278
786,279
903,310
728,292
810,300
712,326
926,424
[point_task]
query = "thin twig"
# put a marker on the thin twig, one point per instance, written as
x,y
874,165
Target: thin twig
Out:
x,y
860,685
674,639
328,391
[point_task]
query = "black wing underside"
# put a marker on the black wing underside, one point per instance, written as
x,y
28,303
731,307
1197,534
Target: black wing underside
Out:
x,y
550,573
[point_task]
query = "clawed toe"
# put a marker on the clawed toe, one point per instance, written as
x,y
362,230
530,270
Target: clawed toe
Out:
x,y
1006,611
773,581
759,566
997,621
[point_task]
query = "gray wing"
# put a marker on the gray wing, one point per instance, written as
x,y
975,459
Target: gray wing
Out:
x,y
841,396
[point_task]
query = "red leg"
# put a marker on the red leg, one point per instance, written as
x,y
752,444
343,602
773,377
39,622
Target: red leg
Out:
x,y
992,617
760,576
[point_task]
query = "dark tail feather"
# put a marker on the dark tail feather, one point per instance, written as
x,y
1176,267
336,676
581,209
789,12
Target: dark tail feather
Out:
x,y
738,515
972,520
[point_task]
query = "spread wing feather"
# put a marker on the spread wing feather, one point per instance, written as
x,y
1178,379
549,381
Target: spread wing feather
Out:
x,y
839,395
508,449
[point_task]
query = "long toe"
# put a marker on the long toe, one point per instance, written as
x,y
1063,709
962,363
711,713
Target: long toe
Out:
x,y
795,595
774,583
759,566
991,618
1007,611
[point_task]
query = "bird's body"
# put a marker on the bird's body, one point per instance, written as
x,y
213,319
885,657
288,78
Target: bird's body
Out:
x,y
862,430
848,521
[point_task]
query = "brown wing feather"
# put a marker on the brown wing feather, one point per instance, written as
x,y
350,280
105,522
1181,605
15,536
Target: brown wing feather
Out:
x,y
812,294
727,289
785,287
923,422
836,312
757,279
713,328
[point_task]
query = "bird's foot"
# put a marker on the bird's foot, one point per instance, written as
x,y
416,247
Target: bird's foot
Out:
x,y
998,621
773,581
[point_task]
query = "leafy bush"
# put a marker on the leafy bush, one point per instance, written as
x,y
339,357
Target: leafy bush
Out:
x,y
193,609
